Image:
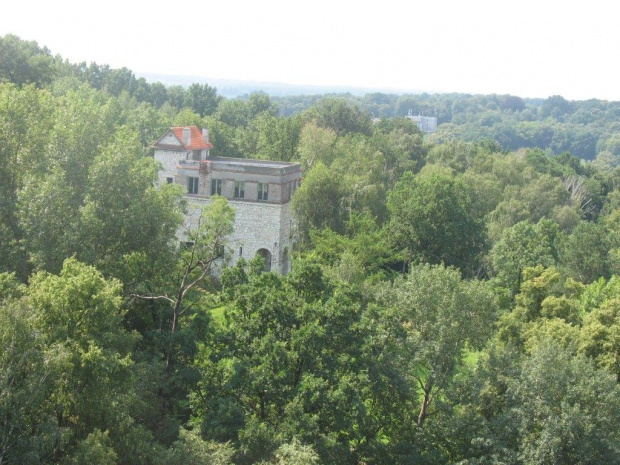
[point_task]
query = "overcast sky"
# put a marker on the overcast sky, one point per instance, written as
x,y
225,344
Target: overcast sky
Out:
x,y
526,48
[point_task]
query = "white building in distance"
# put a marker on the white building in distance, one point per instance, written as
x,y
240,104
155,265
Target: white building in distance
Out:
x,y
426,124
260,192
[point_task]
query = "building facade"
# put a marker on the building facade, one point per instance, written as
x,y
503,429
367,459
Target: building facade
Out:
x,y
259,191
427,124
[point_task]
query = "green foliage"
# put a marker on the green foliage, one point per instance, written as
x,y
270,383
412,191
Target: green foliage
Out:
x,y
78,377
21,113
48,220
521,246
557,401
318,202
94,449
600,337
10,287
123,213
29,370
363,252
191,449
554,405
340,115
79,304
442,314
202,99
585,252
23,62
111,353
297,358
432,220
296,453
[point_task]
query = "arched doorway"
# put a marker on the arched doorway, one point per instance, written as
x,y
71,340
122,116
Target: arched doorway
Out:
x,y
267,257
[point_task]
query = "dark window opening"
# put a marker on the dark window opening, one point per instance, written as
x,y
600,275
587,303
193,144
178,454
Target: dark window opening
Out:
x,y
192,185
239,189
216,187
263,191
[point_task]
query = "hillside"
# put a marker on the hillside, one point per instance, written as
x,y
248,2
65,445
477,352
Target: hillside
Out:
x,y
454,297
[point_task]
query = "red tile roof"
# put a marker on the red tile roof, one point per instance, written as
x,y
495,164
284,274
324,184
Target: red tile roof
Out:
x,y
197,142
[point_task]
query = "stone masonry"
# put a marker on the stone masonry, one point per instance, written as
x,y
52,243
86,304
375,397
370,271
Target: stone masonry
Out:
x,y
258,190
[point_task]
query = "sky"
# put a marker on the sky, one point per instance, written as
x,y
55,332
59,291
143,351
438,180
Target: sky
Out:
x,y
527,48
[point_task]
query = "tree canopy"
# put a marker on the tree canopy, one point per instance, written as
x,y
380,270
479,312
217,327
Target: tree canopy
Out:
x,y
454,297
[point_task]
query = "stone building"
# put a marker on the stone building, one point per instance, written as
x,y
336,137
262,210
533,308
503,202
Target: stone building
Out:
x,y
258,190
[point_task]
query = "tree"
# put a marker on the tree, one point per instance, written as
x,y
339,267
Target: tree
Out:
x,y
442,314
85,122
260,102
95,448
523,245
563,410
49,219
432,220
298,357
21,140
547,308
401,143
363,252
556,106
148,122
29,371
191,449
117,218
202,98
584,252
23,62
79,313
548,407
318,202
205,244
341,115
600,336
277,138
123,215
316,144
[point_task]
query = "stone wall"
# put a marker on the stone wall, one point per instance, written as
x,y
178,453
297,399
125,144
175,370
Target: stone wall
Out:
x,y
169,160
265,226
257,226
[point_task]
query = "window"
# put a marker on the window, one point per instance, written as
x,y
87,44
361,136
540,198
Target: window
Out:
x,y
216,187
241,251
196,155
239,189
192,185
263,191
169,180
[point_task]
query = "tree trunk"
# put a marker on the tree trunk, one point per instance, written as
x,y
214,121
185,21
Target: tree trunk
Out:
x,y
423,410
427,388
175,318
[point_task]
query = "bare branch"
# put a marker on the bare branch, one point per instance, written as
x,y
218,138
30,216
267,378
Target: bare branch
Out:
x,y
153,297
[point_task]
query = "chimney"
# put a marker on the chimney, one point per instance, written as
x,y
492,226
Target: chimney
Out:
x,y
205,135
187,136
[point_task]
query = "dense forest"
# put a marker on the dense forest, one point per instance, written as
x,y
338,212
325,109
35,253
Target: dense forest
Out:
x,y
454,298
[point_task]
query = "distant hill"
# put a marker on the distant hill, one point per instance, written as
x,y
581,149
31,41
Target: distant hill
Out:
x,y
231,88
